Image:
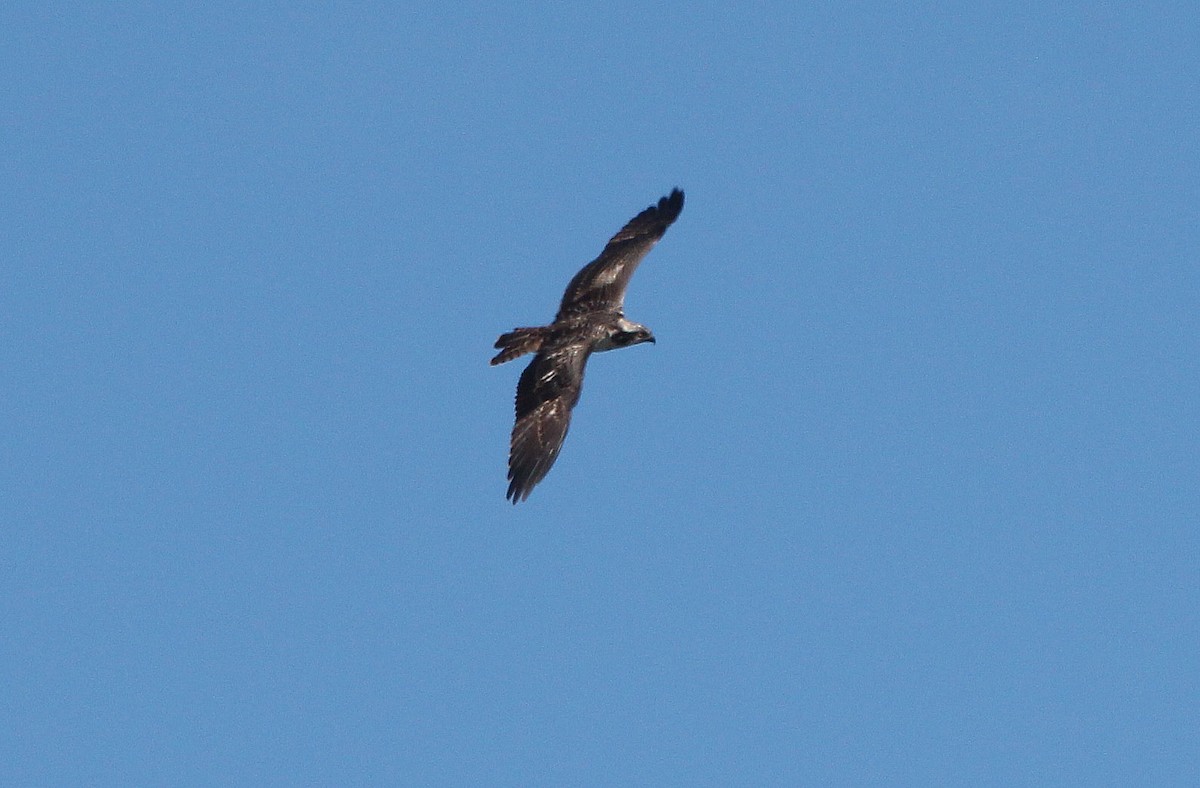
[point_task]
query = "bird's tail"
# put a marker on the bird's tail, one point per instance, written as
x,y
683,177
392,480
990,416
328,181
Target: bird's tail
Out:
x,y
518,342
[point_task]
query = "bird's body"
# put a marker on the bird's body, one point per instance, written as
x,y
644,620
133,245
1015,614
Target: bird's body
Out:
x,y
591,319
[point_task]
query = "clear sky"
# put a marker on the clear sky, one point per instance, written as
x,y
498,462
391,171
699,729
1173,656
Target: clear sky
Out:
x,y
905,494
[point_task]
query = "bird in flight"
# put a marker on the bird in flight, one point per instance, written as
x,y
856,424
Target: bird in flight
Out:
x,y
590,319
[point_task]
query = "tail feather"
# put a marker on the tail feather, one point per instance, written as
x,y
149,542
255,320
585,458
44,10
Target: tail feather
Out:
x,y
518,342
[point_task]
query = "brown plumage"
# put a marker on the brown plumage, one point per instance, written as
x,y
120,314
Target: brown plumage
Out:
x,y
590,319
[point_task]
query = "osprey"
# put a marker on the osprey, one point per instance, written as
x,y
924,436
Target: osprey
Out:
x,y
590,319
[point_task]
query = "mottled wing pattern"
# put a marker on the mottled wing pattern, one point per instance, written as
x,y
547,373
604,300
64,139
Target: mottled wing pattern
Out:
x,y
600,285
548,390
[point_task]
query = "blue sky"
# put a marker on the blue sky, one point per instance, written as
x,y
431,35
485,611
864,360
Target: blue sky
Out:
x,y
905,494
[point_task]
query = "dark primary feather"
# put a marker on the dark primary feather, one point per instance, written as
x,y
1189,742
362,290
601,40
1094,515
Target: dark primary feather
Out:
x,y
601,284
548,390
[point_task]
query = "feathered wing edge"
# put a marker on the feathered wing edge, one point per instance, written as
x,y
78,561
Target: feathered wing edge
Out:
x,y
601,283
548,390
536,442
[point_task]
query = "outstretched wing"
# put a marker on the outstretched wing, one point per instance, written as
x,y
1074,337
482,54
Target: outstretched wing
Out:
x,y
601,284
548,390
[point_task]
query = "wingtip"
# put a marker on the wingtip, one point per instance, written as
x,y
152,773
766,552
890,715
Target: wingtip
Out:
x,y
671,205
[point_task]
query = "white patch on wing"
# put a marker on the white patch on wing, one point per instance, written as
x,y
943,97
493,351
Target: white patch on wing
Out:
x,y
608,276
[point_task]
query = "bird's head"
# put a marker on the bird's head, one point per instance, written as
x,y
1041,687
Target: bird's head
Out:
x,y
624,334
643,335
629,333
